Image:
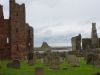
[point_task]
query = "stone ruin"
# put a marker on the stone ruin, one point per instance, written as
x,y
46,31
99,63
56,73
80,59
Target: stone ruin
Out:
x,y
76,43
93,42
93,57
16,36
90,48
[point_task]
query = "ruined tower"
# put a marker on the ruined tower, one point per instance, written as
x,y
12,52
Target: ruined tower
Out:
x,y
16,36
94,36
17,29
20,31
76,42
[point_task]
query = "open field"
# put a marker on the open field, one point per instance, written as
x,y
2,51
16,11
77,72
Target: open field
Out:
x,y
84,69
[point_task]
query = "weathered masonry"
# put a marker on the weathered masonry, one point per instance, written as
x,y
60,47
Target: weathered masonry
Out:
x,y
16,36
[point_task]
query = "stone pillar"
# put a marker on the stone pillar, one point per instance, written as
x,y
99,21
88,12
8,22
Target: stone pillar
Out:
x,y
73,41
76,43
94,36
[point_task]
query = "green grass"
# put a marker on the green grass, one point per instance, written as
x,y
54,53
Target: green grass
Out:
x,y
84,69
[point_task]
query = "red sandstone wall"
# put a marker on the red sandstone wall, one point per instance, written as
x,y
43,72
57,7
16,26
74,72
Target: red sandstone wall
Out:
x,y
19,31
4,33
15,34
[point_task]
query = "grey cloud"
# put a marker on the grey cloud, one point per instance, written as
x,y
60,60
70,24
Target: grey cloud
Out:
x,y
56,21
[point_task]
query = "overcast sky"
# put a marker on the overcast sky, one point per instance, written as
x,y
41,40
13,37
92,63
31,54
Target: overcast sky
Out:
x,y
56,21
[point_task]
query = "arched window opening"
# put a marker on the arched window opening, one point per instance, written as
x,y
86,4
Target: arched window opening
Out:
x,y
7,40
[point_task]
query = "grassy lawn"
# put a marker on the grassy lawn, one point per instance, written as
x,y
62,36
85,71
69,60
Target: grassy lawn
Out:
x,y
84,69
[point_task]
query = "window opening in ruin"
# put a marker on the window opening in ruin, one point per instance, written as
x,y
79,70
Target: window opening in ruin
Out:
x,y
7,40
29,44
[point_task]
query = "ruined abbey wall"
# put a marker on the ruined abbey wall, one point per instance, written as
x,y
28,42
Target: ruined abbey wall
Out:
x,y
16,36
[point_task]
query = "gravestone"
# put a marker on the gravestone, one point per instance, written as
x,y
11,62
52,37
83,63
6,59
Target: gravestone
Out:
x,y
54,61
14,64
97,61
42,61
61,60
39,71
73,60
47,57
91,58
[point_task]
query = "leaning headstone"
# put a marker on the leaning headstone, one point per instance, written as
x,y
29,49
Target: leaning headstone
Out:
x,y
61,60
39,71
14,64
30,58
73,60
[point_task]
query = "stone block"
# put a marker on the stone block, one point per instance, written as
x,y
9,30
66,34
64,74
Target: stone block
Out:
x,y
14,64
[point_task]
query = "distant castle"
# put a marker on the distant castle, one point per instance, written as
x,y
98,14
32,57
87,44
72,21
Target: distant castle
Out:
x,y
87,43
16,36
